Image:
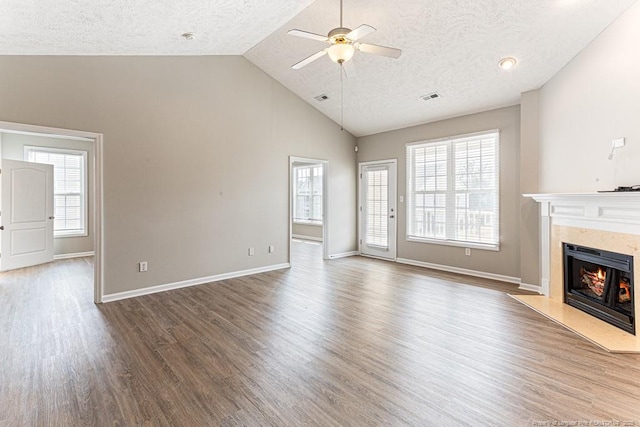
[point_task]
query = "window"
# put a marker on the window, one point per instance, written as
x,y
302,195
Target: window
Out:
x,y
453,192
69,175
307,203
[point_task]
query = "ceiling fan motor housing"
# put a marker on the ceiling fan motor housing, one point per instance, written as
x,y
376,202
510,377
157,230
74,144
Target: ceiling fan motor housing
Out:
x,y
339,35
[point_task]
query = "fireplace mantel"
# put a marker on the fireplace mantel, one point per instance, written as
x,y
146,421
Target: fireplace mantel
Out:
x,y
612,211
608,221
617,212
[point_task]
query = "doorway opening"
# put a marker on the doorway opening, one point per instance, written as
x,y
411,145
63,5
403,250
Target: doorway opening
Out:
x,y
308,213
72,226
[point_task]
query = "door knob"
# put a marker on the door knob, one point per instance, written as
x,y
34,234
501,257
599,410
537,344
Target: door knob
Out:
x,y
1,227
392,216
52,217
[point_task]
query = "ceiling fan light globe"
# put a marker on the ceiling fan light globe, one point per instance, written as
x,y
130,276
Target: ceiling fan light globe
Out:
x,y
341,52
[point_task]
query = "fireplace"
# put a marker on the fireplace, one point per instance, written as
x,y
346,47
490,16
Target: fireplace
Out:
x,y
600,283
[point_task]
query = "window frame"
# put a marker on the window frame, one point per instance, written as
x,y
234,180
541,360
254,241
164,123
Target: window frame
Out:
x,y
84,199
451,192
313,177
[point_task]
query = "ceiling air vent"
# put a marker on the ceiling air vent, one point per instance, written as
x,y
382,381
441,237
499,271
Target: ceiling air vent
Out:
x,y
430,96
321,98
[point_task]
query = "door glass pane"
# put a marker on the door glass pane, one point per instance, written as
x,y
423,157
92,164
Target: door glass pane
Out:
x,y
377,207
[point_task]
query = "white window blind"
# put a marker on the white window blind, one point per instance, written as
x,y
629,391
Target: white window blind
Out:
x,y
377,208
69,170
453,191
307,202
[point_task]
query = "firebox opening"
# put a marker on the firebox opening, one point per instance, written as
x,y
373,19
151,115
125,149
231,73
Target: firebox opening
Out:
x,y
600,283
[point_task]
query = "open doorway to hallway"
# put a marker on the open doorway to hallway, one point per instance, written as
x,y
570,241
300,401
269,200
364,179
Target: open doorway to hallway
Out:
x,y
308,205
50,177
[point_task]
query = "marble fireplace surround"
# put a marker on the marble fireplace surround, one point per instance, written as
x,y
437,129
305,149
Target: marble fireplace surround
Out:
x,y
608,221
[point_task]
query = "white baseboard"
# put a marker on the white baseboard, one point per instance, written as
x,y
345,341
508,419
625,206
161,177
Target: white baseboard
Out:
x,y
303,237
464,271
191,282
530,288
76,255
344,255
377,257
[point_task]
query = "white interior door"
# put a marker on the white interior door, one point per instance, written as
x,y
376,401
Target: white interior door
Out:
x,y
27,214
378,209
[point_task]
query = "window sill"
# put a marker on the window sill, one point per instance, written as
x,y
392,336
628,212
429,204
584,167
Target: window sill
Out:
x,y
64,235
470,245
317,224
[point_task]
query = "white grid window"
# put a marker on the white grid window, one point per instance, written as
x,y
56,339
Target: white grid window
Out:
x,y
69,188
307,202
453,192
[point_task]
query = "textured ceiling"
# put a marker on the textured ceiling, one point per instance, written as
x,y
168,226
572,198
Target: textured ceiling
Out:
x,y
140,27
449,46
452,47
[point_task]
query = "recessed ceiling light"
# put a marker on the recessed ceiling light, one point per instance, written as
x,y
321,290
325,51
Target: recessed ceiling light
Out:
x,y
507,63
189,36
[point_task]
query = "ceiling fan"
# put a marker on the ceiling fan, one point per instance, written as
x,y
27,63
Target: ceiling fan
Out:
x,y
343,44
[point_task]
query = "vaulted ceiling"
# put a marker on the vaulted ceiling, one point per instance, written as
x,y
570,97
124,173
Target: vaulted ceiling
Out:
x,y
449,46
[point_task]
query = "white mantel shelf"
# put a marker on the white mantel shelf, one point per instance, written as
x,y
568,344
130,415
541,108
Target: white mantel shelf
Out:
x,y
611,211
622,195
598,219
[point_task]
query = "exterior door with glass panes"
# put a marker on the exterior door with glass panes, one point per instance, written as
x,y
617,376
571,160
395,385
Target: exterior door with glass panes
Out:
x,y
378,211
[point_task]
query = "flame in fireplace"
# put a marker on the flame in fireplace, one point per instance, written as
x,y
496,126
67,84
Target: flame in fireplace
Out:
x,y
594,280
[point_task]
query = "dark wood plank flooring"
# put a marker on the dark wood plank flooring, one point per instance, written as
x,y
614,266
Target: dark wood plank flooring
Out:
x,y
349,342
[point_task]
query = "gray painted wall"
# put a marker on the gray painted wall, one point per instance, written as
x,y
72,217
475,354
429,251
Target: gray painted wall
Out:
x,y
13,148
593,100
568,125
196,166
391,145
306,230
529,208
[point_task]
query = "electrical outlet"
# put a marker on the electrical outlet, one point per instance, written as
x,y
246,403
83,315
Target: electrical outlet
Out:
x,y
252,251
142,266
467,251
272,249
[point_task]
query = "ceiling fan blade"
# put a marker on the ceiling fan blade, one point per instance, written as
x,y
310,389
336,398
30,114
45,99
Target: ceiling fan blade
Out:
x,y
348,68
379,50
360,32
308,35
309,60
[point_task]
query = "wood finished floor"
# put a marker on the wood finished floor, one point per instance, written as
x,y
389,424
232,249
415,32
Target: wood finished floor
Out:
x,y
349,342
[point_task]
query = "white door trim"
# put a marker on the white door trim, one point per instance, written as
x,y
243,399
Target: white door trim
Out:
x,y
325,202
395,223
97,140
